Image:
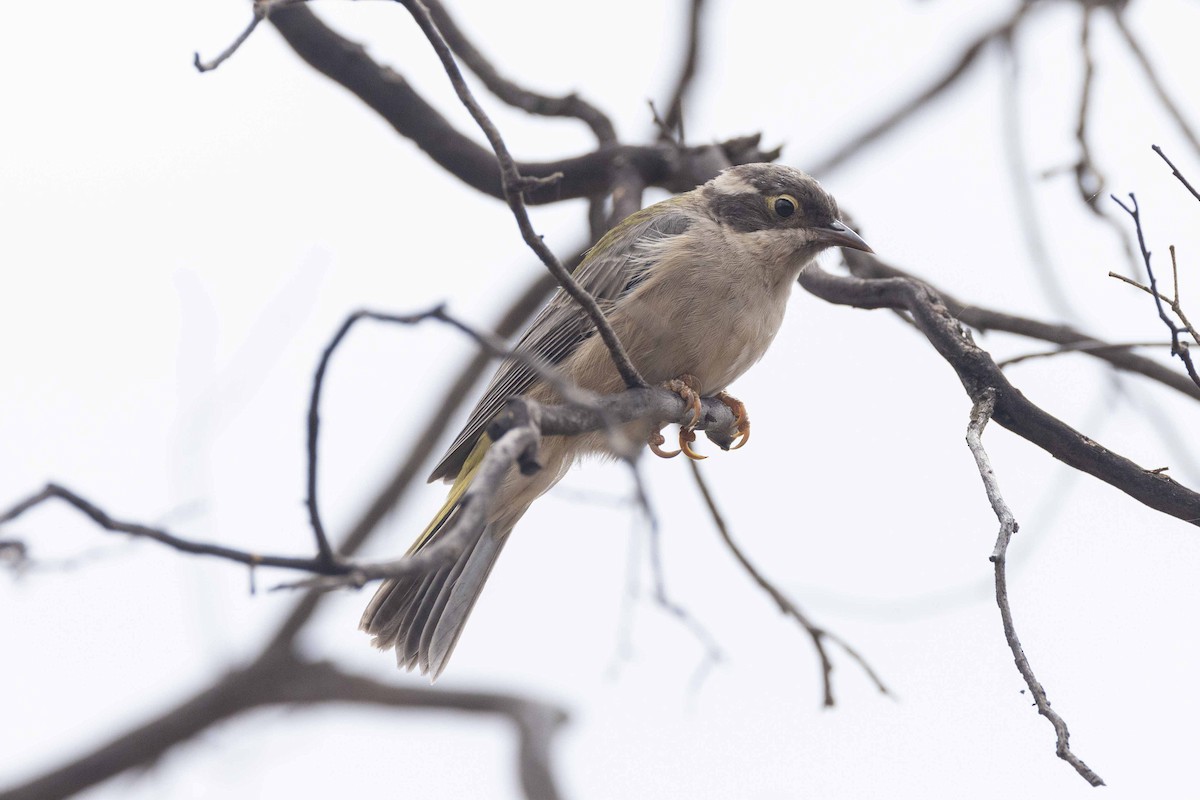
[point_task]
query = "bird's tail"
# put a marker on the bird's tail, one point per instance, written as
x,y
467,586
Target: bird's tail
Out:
x,y
422,616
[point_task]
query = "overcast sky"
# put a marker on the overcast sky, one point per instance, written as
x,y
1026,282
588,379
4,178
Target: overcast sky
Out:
x,y
177,248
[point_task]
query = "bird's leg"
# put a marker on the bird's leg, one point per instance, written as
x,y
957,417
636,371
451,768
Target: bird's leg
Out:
x,y
687,387
741,419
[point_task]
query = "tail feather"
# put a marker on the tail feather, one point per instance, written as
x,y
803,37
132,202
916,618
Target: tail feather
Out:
x,y
423,616
416,614
426,616
438,606
446,625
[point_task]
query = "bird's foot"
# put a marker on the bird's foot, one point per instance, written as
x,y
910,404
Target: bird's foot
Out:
x,y
741,419
687,387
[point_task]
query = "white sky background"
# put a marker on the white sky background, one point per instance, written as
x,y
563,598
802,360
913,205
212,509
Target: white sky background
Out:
x,y
177,248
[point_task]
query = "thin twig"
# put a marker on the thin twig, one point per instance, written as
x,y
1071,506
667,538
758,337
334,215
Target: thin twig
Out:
x,y
205,66
1025,203
1178,348
712,651
1089,181
262,9
535,103
1077,347
1175,171
981,412
909,108
105,521
673,121
514,186
785,604
1156,84
516,445
491,345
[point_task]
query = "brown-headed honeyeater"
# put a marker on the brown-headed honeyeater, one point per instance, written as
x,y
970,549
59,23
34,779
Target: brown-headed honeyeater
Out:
x,y
695,288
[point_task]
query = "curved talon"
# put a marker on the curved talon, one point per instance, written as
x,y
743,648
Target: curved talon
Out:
x,y
741,419
655,441
686,437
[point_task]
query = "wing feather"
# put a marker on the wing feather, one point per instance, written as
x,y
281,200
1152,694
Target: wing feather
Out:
x,y
619,261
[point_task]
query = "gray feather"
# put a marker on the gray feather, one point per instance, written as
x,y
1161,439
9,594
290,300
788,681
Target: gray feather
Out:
x,y
423,616
444,630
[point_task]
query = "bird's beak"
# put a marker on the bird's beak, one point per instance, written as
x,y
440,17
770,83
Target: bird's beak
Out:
x,y
839,235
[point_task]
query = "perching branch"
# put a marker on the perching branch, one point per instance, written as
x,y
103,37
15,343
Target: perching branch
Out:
x,y
522,423
981,412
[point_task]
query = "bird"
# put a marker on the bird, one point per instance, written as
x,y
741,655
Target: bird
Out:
x,y
695,288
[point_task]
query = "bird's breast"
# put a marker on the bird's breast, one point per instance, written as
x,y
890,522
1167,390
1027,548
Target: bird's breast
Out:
x,y
710,323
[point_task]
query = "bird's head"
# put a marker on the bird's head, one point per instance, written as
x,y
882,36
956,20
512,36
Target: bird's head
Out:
x,y
781,212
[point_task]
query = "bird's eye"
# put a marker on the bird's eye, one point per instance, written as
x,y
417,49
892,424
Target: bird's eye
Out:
x,y
784,205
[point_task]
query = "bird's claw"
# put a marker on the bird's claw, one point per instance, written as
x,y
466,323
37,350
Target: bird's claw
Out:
x,y
656,441
687,387
741,419
686,437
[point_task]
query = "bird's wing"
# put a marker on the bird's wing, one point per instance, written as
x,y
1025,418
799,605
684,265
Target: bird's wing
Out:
x,y
618,262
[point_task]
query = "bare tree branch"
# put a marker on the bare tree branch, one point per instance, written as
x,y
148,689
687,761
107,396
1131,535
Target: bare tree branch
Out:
x,y
282,678
390,95
977,372
984,319
523,427
785,604
1089,181
1024,200
53,491
713,654
1178,348
1175,171
981,412
543,105
1152,77
514,186
909,108
261,10
1077,347
205,66
673,120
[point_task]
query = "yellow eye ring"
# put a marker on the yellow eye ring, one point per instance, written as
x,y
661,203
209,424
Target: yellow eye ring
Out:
x,y
784,205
